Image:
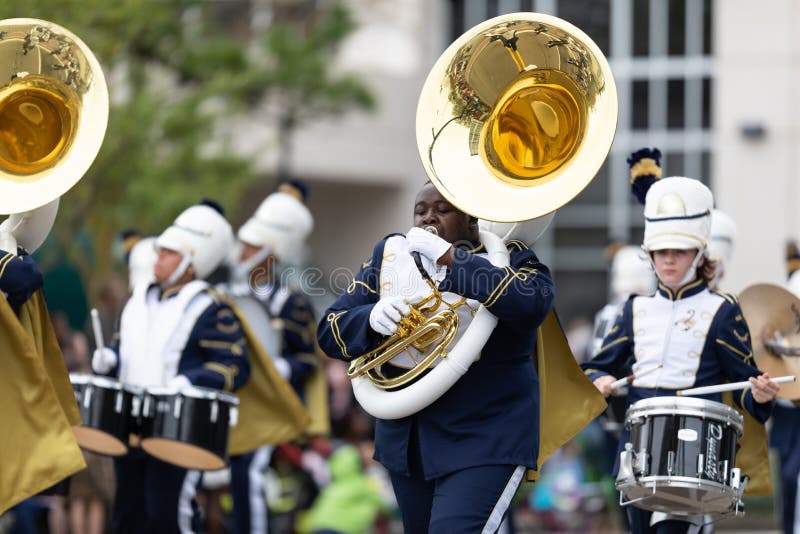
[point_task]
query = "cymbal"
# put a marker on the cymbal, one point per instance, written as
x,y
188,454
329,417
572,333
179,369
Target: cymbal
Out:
x,y
773,316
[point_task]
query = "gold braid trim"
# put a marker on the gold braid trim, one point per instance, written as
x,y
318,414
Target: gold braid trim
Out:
x,y
4,263
745,357
512,274
228,373
615,342
235,347
352,287
333,319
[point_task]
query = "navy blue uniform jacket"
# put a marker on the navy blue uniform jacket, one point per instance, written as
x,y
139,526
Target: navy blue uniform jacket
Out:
x,y
215,355
490,416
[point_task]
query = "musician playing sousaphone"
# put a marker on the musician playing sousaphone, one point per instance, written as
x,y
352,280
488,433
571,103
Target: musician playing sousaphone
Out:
x,y
684,335
176,332
53,111
451,463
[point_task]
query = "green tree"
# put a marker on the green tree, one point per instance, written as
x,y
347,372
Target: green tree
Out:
x,y
175,75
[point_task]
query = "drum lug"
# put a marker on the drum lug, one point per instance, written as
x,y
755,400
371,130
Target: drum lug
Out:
x,y
701,462
176,409
670,462
87,397
214,411
233,416
118,401
641,462
736,478
136,406
625,475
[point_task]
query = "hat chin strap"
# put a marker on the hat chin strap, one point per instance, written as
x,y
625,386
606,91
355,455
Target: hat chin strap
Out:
x,y
690,272
178,272
242,268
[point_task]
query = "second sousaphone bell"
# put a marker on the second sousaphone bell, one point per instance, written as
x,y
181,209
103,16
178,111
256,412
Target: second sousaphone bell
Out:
x,y
516,117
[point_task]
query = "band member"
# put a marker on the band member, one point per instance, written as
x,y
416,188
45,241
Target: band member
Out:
x,y
140,256
698,336
783,436
39,406
720,246
284,322
176,332
631,274
456,464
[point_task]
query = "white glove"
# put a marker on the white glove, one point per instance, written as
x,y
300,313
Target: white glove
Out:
x,y
179,382
283,367
431,247
387,313
103,360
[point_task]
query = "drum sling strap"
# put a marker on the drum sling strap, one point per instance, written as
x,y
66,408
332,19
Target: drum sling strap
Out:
x,y
568,401
316,387
37,448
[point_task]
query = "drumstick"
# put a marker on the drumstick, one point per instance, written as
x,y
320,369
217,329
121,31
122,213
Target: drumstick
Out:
x,y
707,390
630,378
97,328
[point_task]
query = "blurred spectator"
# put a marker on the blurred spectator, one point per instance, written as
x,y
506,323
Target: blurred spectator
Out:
x,y
90,490
350,504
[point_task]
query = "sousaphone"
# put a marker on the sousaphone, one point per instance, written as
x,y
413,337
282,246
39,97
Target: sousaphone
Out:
x,y
514,120
53,116
773,317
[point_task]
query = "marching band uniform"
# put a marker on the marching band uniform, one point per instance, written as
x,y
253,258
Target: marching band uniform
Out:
x,y
455,464
174,335
38,403
285,326
783,436
698,335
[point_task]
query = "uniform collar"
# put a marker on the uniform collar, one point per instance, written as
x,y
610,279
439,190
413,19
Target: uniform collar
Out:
x,y
171,292
473,248
692,288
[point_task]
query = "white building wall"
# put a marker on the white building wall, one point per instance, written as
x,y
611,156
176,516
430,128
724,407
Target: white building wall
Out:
x,y
755,180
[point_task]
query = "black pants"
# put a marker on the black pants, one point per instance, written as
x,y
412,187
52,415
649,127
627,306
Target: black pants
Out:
x,y
153,496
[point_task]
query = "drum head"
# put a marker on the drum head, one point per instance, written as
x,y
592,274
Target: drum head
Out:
x,y
182,454
680,497
98,441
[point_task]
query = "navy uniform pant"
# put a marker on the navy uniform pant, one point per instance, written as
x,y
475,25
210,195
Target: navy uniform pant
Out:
x,y
249,492
153,496
640,524
786,440
470,500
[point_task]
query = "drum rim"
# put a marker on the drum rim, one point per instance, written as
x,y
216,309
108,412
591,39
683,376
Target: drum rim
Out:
x,y
652,482
686,406
195,392
95,380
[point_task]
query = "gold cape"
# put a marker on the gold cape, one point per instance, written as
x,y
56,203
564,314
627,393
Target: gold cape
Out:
x,y
568,401
753,454
37,447
270,412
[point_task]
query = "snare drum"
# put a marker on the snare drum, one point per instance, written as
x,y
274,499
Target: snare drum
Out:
x,y
110,413
681,457
188,428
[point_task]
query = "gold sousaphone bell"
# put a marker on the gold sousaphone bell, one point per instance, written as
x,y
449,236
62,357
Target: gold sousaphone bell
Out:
x,y
514,120
773,317
53,113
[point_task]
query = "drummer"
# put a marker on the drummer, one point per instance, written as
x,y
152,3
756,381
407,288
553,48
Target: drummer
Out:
x,y
698,336
175,332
